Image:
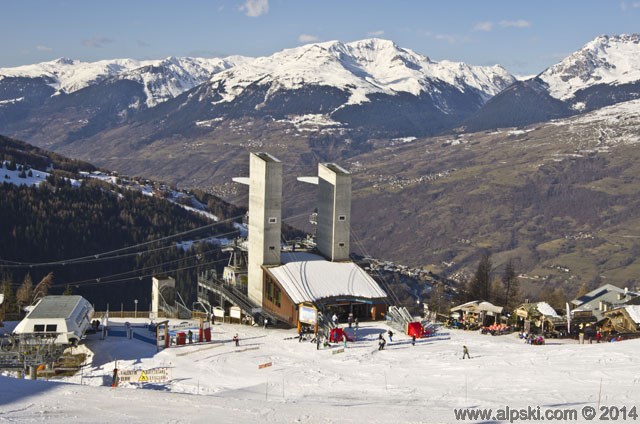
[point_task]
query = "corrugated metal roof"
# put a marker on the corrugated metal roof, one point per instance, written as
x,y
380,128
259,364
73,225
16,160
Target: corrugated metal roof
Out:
x,y
55,307
309,278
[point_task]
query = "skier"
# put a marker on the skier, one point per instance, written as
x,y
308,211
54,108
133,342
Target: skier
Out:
x,y
355,322
266,322
413,340
390,336
381,342
344,339
334,318
236,340
465,352
190,334
318,341
350,320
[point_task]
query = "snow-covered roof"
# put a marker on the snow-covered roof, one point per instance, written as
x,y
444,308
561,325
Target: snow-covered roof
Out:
x,y
309,278
634,312
546,310
476,306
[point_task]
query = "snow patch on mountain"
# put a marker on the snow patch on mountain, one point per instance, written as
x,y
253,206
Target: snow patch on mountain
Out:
x,y
610,60
609,126
313,120
360,68
13,176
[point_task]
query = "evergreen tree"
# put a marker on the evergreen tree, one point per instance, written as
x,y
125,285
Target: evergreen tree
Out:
x,y
511,286
8,307
479,288
496,291
435,300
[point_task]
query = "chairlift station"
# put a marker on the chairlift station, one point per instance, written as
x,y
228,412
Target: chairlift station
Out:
x,y
270,281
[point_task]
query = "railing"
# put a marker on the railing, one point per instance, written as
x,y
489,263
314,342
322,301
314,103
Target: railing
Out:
x,y
235,296
128,314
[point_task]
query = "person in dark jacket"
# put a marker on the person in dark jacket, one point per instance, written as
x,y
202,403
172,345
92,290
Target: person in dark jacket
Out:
x,y
390,335
381,342
465,352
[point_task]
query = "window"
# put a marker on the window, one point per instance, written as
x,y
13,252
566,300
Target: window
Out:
x,y
273,293
52,327
342,218
273,220
39,328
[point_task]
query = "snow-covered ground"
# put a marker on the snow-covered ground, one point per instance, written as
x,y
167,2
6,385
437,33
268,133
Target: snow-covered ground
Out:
x,y
404,383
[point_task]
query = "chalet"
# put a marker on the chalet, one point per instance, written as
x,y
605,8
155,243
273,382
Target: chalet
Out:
x,y
478,311
622,320
541,315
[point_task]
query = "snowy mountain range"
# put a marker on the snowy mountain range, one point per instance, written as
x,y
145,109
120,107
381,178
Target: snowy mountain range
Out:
x,y
605,71
356,83
371,87
361,69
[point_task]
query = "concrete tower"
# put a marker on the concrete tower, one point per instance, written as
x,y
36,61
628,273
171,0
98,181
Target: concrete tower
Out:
x,y
265,215
334,211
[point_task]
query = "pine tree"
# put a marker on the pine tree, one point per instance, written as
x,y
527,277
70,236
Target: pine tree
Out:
x,y
511,285
479,288
8,307
496,291
435,299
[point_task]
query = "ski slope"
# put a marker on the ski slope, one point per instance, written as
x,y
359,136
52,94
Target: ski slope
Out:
x,y
404,383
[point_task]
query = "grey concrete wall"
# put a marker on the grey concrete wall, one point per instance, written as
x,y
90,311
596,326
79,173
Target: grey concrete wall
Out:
x,y
334,212
265,219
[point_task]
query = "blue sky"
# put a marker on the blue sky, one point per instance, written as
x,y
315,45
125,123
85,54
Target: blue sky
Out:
x,y
524,36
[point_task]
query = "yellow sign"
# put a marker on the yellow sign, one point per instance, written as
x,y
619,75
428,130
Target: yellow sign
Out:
x,y
153,375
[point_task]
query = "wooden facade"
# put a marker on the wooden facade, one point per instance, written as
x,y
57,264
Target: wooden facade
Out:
x,y
619,321
276,300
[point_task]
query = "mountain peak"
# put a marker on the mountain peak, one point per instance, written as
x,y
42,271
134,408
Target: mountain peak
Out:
x,y
607,59
64,61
